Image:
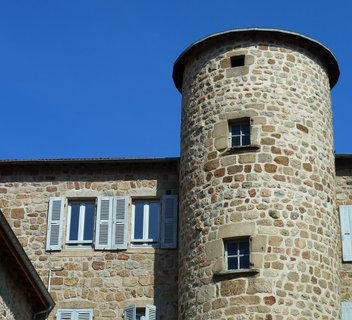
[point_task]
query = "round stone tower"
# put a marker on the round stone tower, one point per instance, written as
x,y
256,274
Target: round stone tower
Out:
x,y
258,224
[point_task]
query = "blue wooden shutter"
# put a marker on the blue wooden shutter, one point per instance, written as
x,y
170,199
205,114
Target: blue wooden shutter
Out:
x,y
346,310
120,220
55,222
169,222
130,313
346,237
104,223
150,312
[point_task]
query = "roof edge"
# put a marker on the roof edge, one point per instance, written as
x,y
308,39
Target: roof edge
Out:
x,y
88,160
25,263
307,42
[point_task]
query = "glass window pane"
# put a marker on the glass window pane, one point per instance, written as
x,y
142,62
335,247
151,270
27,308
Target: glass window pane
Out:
x,y
236,141
138,220
246,140
244,247
153,232
74,222
245,129
88,221
231,248
244,262
232,264
235,129
140,314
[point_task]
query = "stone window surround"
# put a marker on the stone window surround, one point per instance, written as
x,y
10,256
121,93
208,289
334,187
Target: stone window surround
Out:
x,y
215,251
221,131
237,70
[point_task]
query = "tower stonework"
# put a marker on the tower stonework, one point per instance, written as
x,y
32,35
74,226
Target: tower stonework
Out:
x,y
275,191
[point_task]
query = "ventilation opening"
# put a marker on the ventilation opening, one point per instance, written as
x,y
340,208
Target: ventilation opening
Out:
x,y
237,61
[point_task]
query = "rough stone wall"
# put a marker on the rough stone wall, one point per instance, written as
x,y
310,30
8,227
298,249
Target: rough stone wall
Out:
x,y
344,197
14,304
280,191
106,281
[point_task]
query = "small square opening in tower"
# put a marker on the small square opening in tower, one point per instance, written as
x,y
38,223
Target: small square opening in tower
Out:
x,y
237,61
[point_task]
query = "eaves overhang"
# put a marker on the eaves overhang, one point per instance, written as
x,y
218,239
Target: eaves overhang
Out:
x,y
259,33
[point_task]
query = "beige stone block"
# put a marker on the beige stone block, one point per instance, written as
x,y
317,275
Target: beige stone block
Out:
x,y
245,113
236,53
245,300
220,129
259,244
205,293
237,230
219,265
247,158
214,250
97,282
221,143
256,260
248,60
229,160
237,71
230,288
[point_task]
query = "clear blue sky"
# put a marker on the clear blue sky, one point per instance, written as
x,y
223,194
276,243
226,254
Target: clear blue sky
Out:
x,y
89,78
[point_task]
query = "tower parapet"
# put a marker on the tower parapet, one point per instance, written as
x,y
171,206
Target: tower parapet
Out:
x,y
258,223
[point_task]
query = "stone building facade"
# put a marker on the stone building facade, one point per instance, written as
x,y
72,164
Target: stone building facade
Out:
x,y
23,294
103,282
260,194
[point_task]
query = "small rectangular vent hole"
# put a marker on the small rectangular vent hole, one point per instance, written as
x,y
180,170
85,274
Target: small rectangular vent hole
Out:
x,y
237,61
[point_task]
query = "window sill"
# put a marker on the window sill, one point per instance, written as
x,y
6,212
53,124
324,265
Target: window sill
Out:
x,y
241,149
235,274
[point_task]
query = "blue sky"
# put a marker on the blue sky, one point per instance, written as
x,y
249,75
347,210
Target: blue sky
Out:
x,y
94,78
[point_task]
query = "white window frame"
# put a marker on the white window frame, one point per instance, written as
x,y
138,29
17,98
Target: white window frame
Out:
x,y
150,311
241,123
80,242
74,314
238,255
346,307
145,241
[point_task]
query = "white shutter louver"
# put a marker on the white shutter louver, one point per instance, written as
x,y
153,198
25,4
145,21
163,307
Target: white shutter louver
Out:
x,y
103,223
84,315
346,236
169,221
150,312
75,314
64,315
120,220
130,313
346,310
55,222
